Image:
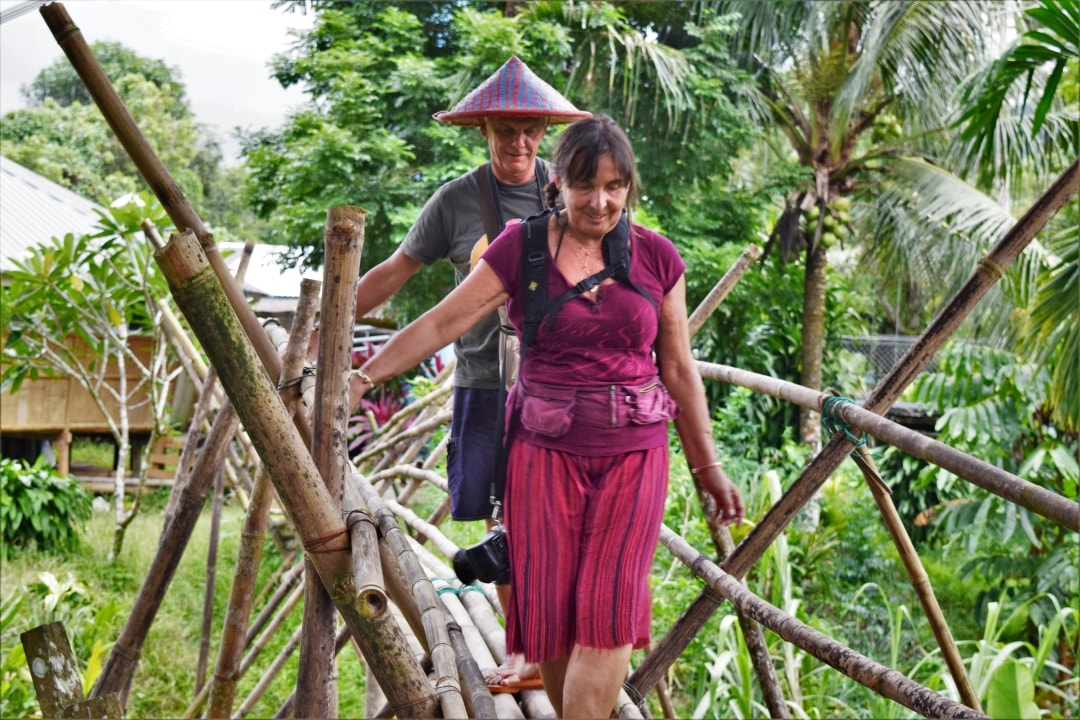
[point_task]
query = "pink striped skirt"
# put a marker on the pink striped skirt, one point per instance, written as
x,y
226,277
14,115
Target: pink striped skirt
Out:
x,y
582,533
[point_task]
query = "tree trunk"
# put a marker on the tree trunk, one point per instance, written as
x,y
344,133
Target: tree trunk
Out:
x,y
813,338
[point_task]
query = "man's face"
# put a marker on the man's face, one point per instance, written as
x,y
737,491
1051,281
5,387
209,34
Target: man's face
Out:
x,y
512,144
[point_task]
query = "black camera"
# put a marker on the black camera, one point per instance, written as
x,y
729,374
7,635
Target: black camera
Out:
x,y
487,560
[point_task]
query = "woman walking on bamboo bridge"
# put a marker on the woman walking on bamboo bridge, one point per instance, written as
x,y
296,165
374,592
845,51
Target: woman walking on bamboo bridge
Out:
x,y
606,363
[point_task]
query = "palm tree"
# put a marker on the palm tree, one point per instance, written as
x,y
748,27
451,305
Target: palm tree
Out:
x,y
1019,119
861,90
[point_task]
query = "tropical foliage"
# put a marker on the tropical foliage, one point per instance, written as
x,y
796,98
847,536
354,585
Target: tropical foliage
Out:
x,y
39,509
72,307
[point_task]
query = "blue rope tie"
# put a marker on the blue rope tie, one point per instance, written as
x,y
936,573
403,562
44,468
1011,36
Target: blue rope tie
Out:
x,y
830,413
453,586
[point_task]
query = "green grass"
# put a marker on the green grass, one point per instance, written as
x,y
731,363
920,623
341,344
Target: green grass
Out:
x,y
95,452
165,680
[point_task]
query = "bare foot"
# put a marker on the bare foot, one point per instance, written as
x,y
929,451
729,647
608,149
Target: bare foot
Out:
x,y
513,671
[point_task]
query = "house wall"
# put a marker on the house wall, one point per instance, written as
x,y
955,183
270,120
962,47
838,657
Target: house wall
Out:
x,y
58,408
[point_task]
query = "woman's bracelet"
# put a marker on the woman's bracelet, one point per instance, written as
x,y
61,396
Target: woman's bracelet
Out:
x,y
363,376
695,471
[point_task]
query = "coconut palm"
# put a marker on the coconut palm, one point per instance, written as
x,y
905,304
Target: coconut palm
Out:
x,y
1020,119
861,91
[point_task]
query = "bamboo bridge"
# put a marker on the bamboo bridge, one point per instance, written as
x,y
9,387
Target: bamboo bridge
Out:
x,y
369,559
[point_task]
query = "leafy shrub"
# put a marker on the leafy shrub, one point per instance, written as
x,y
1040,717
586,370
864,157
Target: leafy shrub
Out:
x,y
39,508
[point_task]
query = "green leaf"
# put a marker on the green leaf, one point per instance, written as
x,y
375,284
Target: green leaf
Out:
x,y
1011,693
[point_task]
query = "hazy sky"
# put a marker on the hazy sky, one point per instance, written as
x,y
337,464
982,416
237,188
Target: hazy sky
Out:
x,y
222,49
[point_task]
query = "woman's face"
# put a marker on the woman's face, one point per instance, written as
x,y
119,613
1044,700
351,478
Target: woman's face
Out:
x,y
593,206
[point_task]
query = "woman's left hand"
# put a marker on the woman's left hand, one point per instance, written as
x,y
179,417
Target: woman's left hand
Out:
x,y
729,503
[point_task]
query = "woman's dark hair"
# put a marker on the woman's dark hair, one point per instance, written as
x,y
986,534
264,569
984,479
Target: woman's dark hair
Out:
x,y
582,144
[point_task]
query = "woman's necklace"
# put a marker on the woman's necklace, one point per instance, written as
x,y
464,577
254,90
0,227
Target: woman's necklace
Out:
x,y
580,253
583,256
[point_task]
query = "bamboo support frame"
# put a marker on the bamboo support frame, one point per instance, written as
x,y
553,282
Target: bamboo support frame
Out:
x,y
743,557
884,681
760,659
226,673
914,361
343,240
300,489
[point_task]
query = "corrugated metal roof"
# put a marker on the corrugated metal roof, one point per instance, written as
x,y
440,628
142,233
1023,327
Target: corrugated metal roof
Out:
x,y
34,209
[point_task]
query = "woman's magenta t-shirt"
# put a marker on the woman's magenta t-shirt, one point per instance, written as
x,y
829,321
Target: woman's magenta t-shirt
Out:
x,y
594,344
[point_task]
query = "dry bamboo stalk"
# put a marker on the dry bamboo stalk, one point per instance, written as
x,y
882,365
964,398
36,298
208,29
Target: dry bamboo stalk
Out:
x,y
120,666
1046,503
300,489
919,580
222,689
211,575
343,241
421,411
418,475
269,675
386,443
716,296
436,639
433,459
884,681
172,198
226,675
285,585
408,455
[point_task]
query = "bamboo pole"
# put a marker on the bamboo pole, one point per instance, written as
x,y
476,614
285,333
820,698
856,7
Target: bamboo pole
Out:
x,y
914,361
760,658
343,240
716,296
919,581
211,575
285,711
226,675
172,198
270,675
1046,503
285,585
300,489
436,639
119,669
884,681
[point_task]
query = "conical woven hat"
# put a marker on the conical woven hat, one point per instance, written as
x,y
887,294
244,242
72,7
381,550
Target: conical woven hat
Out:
x,y
513,91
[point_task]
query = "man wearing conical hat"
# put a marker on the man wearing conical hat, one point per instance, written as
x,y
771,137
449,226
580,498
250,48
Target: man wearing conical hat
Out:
x,y
513,109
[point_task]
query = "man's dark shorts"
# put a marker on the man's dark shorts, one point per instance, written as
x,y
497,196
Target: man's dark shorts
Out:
x,y
471,453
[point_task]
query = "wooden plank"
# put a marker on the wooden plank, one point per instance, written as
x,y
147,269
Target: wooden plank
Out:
x,y
52,666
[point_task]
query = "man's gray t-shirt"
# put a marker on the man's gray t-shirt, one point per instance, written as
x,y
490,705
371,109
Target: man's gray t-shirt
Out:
x,y
448,227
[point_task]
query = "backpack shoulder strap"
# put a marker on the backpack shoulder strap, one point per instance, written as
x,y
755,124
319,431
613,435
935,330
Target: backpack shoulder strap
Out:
x,y
489,202
616,251
534,276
